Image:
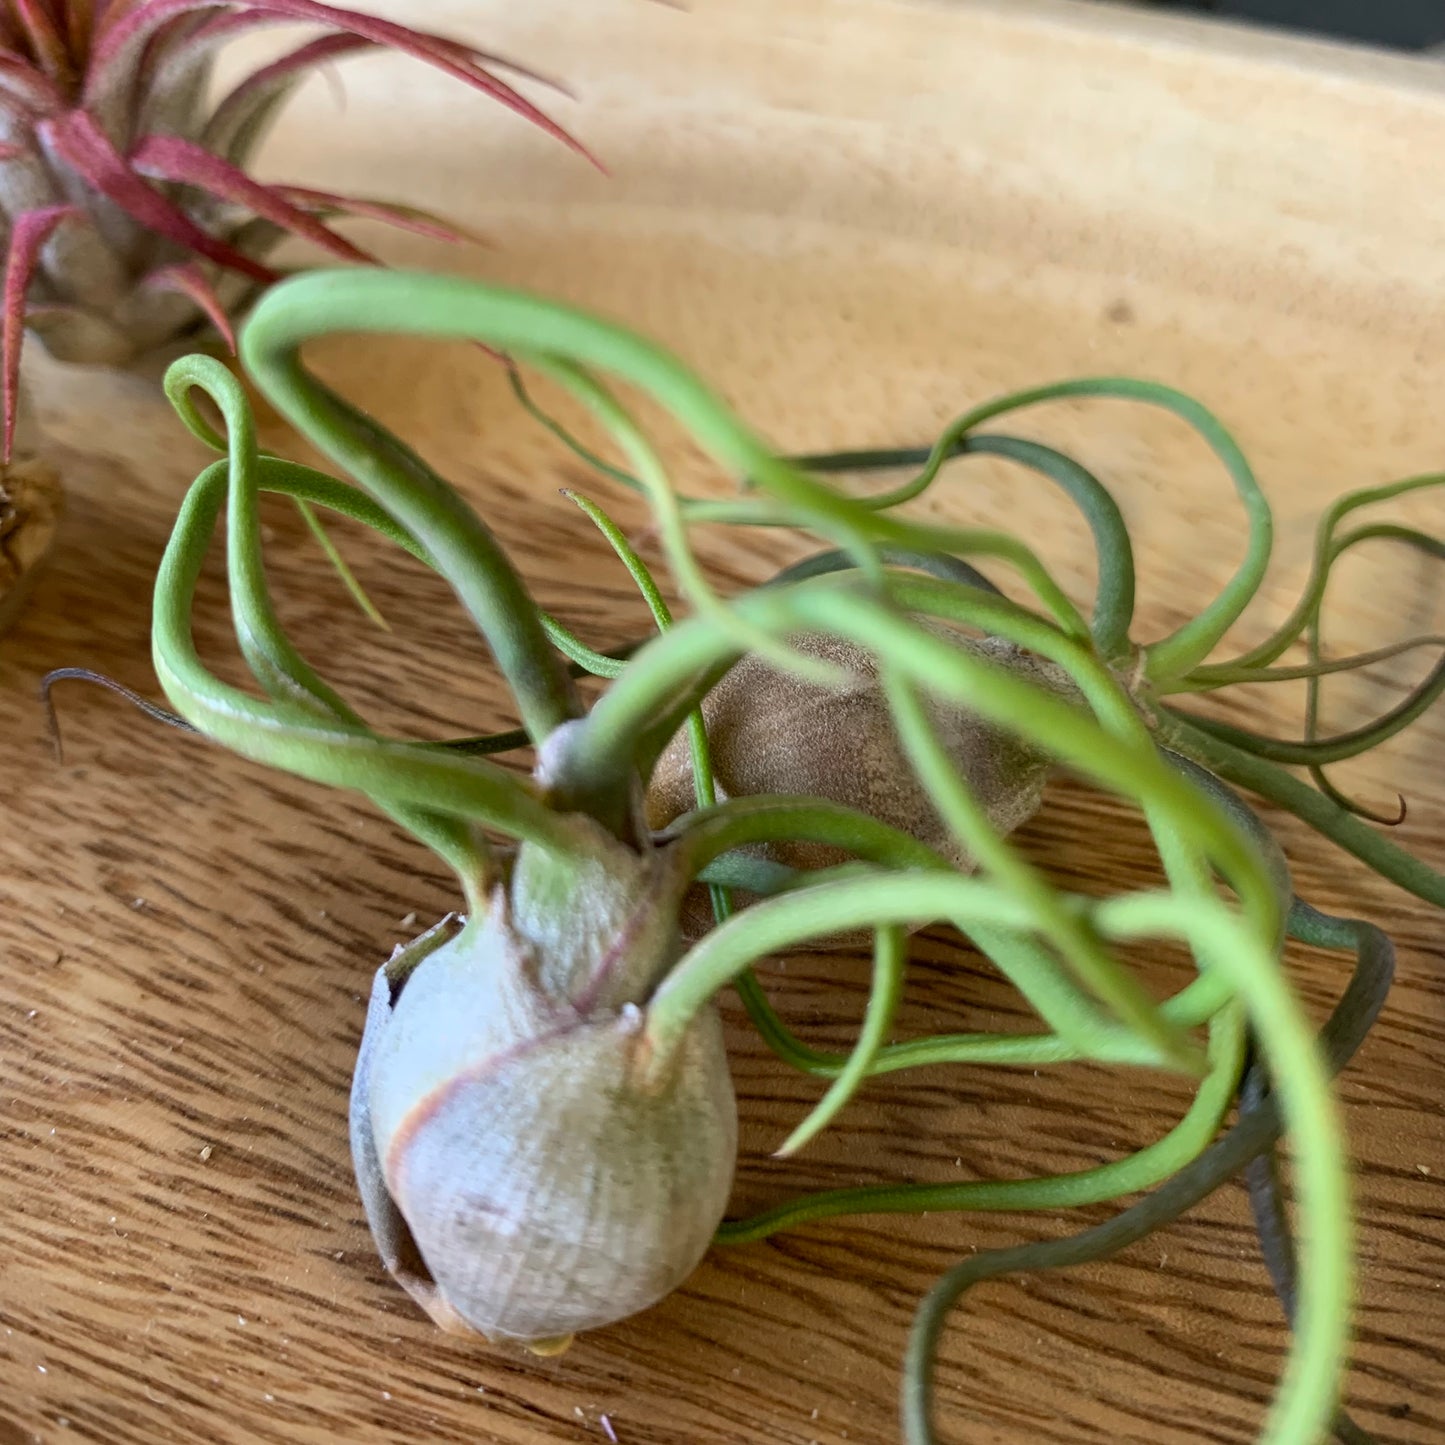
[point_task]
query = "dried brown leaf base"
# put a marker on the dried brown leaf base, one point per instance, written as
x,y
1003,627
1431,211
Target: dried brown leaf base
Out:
x,y
31,506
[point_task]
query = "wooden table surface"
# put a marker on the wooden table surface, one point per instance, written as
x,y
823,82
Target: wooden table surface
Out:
x,y
858,217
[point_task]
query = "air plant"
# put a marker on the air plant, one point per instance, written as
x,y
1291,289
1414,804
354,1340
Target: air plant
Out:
x,y
131,220
542,1122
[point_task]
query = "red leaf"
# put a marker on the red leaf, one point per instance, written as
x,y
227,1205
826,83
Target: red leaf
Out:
x,y
314,52
130,26
391,213
78,141
172,158
239,109
29,233
187,278
29,89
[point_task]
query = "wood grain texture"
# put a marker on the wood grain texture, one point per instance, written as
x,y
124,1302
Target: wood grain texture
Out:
x,y
858,217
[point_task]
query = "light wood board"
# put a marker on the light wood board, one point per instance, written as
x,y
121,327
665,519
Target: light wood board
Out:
x,y
858,218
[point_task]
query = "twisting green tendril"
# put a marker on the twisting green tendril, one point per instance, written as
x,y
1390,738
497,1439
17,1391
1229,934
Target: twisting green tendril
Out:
x,y
276,665
1096,503
341,566
1305,671
605,468
936,564
1289,631
651,683
1062,951
764,1017
1141,1170
1114,603
464,551
1420,541
660,493
890,957
1089,960
1054,723
292,736
1245,770
743,821
1266,1189
1261,1173
1317,752
568,343
1257,1130
1177,654
1114,607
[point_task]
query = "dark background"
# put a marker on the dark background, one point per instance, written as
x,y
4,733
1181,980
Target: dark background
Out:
x,y
1403,24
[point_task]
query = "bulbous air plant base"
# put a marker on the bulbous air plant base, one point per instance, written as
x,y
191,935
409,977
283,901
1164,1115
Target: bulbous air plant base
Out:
x,y
771,731
524,1174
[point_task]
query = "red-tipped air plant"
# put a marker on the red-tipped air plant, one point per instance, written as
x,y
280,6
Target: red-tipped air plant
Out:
x,y
131,219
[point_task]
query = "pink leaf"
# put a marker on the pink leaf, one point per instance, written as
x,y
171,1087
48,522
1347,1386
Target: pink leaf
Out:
x,y
172,158
129,26
239,118
29,233
187,278
391,213
78,141
314,52
29,88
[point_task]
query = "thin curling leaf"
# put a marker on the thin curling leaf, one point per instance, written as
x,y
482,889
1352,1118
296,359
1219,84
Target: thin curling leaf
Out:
x,y
86,149
121,32
137,700
1125,761
277,665
341,567
1140,1170
172,158
1089,960
1247,770
577,448
1303,752
890,956
668,514
292,737
189,280
936,564
760,1011
28,234
1359,809
241,118
1431,547
1258,1128
1302,672
542,334
1114,600
1289,631
392,213
1189,644
1314,751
